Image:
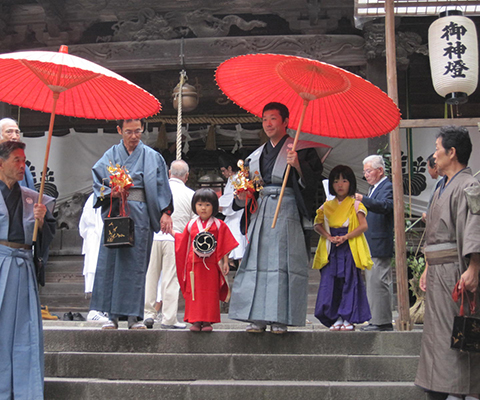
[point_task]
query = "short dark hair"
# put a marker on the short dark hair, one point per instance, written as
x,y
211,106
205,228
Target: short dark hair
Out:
x,y
281,108
120,122
7,148
345,172
457,137
226,160
208,195
431,160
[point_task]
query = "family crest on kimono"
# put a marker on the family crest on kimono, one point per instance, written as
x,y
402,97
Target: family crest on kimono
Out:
x,y
341,255
452,250
119,287
270,287
201,252
21,338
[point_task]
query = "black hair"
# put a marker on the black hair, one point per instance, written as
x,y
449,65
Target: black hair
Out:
x,y
457,137
281,108
226,160
7,148
346,173
207,195
120,122
431,161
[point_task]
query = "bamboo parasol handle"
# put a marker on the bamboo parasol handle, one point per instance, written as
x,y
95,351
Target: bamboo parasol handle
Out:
x,y
45,163
289,167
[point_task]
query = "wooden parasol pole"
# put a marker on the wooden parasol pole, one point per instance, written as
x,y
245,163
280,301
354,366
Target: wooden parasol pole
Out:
x,y
289,167
403,323
45,162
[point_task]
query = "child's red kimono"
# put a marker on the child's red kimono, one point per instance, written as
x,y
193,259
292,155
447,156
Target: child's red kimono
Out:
x,y
201,280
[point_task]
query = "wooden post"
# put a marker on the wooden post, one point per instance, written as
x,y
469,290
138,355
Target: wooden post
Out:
x,y
403,323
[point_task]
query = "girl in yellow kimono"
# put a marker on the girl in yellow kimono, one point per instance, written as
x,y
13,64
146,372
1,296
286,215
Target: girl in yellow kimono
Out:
x,y
341,254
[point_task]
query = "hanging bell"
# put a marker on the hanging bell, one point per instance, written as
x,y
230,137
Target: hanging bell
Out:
x,y
189,97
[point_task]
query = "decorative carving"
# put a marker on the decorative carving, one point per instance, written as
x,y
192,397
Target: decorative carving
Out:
x,y
341,50
407,43
150,26
54,16
203,24
374,34
69,213
318,47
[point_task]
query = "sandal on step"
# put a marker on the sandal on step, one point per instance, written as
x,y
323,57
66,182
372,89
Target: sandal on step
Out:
x,y
335,328
207,327
196,327
347,327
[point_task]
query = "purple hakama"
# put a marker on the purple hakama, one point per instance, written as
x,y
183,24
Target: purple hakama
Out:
x,y
342,290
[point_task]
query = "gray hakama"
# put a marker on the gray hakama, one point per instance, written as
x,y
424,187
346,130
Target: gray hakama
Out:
x,y
271,282
453,228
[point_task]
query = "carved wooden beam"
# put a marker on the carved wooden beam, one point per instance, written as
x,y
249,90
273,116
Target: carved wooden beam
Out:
x,y
208,53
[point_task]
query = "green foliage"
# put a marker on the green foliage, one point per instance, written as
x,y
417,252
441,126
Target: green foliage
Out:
x,y
416,264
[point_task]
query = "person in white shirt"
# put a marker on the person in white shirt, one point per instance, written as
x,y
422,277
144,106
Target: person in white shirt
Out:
x,y
229,169
162,257
90,228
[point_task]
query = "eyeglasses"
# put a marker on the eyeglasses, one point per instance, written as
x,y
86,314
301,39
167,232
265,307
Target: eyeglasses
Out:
x,y
368,172
15,131
137,132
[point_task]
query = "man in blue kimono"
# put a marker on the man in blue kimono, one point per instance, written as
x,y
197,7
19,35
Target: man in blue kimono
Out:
x,y
119,287
21,338
270,287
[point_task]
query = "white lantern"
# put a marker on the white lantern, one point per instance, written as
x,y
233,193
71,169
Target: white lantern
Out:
x,y
453,48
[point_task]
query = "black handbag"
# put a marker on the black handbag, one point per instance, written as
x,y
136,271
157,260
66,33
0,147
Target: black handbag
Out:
x,y
466,329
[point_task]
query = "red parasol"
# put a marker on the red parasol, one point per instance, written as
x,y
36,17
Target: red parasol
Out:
x,y
343,105
60,83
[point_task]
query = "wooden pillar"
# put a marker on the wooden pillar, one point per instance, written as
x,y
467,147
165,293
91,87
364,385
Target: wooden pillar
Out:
x,y
403,323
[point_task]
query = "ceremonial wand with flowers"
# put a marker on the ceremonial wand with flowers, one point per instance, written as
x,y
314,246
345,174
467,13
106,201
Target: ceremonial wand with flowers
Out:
x,y
119,231
120,181
243,184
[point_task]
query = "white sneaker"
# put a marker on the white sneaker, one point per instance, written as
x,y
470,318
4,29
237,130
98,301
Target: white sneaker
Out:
x,y
177,325
96,316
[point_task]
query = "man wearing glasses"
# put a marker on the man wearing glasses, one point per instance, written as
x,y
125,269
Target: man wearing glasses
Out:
x,y
379,203
119,287
9,131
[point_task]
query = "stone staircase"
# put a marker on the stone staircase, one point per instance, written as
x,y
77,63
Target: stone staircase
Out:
x,y
306,363
84,362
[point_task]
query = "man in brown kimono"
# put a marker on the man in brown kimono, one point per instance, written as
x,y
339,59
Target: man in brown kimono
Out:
x,y
453,254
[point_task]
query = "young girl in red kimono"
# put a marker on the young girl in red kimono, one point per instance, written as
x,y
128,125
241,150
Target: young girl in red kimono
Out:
x,y
201,252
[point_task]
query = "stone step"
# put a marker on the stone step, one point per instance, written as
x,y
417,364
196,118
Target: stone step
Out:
x,y
313,340
73,389
187,367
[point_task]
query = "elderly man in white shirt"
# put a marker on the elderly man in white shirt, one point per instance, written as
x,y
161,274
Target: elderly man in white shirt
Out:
x,y
162,257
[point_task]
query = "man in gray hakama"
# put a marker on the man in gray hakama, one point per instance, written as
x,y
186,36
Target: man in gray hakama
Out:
x,y
21,337
271,283
119,287
453,253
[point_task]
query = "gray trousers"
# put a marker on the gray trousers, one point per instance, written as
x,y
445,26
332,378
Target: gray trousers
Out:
x,y
379,282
